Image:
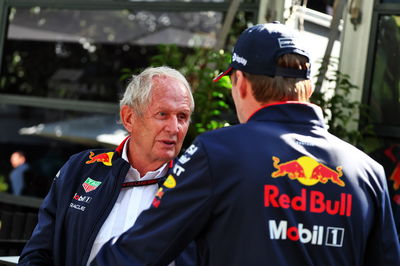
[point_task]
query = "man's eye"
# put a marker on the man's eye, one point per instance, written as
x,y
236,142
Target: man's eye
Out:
x,y
183,117
161,114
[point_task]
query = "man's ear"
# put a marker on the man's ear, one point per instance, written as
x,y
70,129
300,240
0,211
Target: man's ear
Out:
x,y
242,84
126,114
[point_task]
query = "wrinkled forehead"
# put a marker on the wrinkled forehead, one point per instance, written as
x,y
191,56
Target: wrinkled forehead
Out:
x,y
166,86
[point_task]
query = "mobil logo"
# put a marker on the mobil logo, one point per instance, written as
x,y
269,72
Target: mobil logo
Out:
x,y
316,235
307,171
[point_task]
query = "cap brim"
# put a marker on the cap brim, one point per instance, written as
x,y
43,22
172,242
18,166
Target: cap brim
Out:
x,y
226,72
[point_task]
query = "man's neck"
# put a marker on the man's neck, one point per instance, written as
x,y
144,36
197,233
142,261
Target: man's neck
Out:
x,y
138,162
144,167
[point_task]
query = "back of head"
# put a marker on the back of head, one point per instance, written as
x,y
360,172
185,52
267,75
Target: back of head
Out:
x,y
275,61
138,92
278,88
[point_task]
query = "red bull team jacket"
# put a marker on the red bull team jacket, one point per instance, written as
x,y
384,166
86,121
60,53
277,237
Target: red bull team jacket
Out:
x,y
277,190
79,201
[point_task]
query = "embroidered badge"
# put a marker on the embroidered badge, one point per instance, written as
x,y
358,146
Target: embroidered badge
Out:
x,y
104,158
307,171
90,184
170,182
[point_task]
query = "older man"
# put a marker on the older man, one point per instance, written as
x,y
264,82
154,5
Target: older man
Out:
x,y
98,194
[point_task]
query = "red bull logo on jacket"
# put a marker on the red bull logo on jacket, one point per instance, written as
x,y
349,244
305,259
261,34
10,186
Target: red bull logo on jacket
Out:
x,y
307,171
104,158
157,199
308,200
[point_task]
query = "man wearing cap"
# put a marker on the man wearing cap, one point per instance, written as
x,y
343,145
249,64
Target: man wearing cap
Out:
x,y
278,189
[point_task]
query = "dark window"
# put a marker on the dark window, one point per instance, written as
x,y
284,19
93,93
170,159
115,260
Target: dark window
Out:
x,y
385,87
390,1
79,54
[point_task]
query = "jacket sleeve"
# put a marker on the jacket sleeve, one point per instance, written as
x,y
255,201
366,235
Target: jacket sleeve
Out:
x,y
39,249
383,247
180,210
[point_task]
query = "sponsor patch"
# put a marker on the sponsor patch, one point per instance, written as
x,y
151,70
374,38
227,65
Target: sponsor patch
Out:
x,y
184,159
239,59
317,235
307,171
287,42
80,198
170,182
90,185
160,193
77,207
157,199
192,149
309,200
104,158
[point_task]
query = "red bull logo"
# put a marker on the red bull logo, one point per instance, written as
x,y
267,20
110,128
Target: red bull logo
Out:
x,y
170,182
157,199
104,158
307,171
308,200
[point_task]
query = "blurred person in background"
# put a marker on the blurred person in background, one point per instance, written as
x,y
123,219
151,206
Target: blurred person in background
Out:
x,y
17,174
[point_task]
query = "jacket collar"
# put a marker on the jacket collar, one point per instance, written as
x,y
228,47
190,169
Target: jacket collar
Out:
x,y
121,145
291,112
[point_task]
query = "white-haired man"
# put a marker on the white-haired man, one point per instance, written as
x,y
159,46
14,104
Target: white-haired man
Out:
x,y
98,194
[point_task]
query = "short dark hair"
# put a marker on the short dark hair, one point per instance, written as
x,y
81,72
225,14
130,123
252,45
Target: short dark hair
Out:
x,y
278,88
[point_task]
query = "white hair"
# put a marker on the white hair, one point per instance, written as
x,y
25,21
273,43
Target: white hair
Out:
x,y
138,92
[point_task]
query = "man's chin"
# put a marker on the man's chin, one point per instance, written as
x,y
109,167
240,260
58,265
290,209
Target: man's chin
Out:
x,y
168,155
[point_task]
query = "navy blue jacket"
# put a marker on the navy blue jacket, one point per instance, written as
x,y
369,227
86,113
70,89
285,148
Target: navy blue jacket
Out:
x,y
277,190
80,199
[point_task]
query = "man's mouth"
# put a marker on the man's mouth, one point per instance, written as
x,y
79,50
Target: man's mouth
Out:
x,y
169,142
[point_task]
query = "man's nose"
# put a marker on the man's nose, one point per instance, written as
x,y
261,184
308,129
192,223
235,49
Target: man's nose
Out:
x,y
172,125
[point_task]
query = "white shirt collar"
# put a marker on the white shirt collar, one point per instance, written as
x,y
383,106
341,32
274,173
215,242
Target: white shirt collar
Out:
x,y
133,173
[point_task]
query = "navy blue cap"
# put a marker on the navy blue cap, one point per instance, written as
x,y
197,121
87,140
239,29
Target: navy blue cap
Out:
x,y
259,47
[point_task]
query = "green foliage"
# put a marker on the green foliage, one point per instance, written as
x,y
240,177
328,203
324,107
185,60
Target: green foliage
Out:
x,y
343,114
3,184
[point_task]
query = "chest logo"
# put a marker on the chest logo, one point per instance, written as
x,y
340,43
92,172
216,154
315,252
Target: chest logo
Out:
x,y
307,171
104,158
170,182
90,185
